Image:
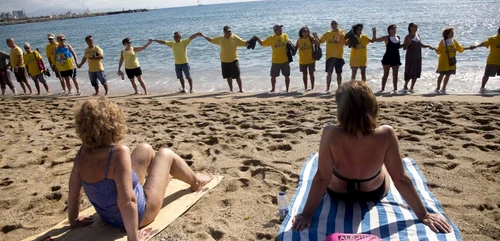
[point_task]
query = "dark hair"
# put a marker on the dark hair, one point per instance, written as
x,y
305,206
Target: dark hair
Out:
x,y
302,30
356,26
125,40
411,25
392,26
357,108
88,37
498,30
177,33
446,32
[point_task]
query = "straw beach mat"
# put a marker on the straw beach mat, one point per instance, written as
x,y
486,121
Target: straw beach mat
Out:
x,y
178,199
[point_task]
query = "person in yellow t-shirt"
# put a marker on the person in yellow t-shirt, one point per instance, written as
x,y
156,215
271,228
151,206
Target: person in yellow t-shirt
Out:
x,y
34,69
359,54
447,51
279,62
493,62
334,40
132,66
230,66
95,55
179,48
17,64
307,63
50,51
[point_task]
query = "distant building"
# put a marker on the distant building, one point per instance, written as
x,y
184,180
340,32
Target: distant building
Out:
x,y
6,15
19,14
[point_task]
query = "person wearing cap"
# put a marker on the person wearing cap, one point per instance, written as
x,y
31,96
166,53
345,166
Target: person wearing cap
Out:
x,y
179,48
35,68
305,45
279,62
95,55
5,79
229,44
335,41
132,66
50,51
17,64
65,62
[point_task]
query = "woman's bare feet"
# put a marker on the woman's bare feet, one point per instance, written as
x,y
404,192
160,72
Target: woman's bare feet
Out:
x,y
201,181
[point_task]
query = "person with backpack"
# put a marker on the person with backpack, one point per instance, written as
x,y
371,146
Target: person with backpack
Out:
x,y
306,45
358,43
35,68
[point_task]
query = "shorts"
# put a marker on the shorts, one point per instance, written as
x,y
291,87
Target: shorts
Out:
x,y
94,76
179,68
336,63
131,73
39,78
20,75
67,73
230,70
283,68
310,67
447,72
492,70
74,73
5,79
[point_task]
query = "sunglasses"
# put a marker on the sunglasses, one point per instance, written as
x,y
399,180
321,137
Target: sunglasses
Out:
x,y
176,37
228,31
50,39
62,39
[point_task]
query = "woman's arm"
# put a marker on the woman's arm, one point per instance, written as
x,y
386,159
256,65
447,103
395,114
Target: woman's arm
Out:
x,y
73,53
74,196
139,49
406,188
407,42
320,181
120,62
127,201
297,44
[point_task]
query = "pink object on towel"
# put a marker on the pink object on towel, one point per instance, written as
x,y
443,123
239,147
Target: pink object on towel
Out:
x,y
352,237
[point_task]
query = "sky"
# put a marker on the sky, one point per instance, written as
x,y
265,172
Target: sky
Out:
x,y
35,5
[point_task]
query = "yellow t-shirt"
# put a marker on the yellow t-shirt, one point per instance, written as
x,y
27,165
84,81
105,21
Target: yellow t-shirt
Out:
x,y
130,58
15,54
50,52
31,60
443,61
334,43
180,50
305,51
229,47
494,44
278,44
95,65
359,55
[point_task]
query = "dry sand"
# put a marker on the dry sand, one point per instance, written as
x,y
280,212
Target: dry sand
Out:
x,y
258,142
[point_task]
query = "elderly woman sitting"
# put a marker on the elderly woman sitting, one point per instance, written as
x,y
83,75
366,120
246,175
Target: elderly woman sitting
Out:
x,y
126,189
356,159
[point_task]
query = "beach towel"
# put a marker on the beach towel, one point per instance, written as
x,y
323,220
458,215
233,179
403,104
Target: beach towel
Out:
x,y
178,199
390,219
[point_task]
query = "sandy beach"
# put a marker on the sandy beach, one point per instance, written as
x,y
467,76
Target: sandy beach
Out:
x,y
258,142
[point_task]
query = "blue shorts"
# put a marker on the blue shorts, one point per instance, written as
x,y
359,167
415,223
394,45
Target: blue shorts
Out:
x,y
179,68
94,76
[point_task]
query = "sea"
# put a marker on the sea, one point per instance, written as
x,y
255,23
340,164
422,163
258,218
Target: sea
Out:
x,y
474,21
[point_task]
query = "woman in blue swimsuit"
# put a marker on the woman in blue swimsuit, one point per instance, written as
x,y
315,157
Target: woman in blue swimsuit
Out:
x,y
115,179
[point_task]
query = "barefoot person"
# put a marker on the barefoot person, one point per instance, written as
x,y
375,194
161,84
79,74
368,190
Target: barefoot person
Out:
x,y
95,55
413,60
447,62
50,52
391,59
307,63
17,63
229,44
334,40
132,66
5,79
493,61
35,68
358,160
279,62
65,63
127,189
359,53
179,48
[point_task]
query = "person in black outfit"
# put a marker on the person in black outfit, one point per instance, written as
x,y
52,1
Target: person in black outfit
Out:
x,y
391,57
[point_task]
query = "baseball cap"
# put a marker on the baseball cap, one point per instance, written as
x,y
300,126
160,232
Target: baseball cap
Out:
x,y
277,26
227,27
51,36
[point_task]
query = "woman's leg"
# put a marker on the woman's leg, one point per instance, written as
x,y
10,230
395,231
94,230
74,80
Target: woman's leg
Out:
x,y
439,80
413,81
132,81
164,164
446,78
37,85
141,157
363,73
395,72
139,78
311,76
304,77
354,70
385,76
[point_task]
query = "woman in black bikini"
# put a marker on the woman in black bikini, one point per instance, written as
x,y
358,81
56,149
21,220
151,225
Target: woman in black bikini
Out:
x,y
363,159
391,57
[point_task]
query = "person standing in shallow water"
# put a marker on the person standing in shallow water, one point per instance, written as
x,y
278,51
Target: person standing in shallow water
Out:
x,y
493,62
95,55
391,59
65,63
359,53
35,71
5,79
18,66
413,60
132,66
50,51
305,45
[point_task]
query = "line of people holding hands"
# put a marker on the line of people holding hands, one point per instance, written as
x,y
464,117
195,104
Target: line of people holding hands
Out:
x,y
64,62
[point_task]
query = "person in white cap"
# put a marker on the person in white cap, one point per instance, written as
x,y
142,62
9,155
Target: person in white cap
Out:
x,y
35,68
50,52
279,62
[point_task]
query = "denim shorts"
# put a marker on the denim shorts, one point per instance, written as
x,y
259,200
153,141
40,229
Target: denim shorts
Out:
x,y
179,68
94,76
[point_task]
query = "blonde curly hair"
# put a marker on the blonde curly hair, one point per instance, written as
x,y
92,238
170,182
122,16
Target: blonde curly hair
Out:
x,y
100,122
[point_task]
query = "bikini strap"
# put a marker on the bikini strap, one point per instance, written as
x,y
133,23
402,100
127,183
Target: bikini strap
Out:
x,y
108,162
77,161
352,183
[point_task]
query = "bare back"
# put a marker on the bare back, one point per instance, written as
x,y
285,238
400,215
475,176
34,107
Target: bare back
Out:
x,y
92,164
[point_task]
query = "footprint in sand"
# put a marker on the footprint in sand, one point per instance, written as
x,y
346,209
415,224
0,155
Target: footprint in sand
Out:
x,y
6,182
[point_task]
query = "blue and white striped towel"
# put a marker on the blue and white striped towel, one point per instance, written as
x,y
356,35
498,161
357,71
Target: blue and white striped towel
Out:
x,y
390,219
